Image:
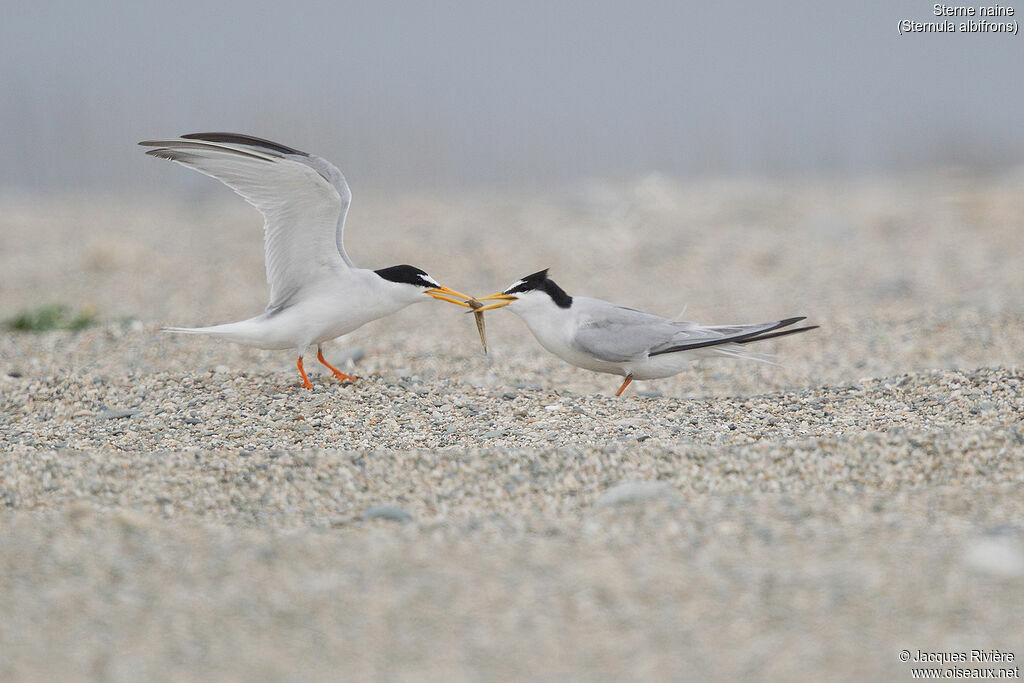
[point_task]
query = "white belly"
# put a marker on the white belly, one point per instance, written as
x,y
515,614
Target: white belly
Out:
x,y
313,318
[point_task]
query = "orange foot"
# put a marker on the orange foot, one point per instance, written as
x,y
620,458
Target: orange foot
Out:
x,y
302,371
629,378
337,373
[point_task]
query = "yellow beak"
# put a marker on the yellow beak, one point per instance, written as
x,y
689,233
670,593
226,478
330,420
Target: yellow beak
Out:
x,y
446,294
500,299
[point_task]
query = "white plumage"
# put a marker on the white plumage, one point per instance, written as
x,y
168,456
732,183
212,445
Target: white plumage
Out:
x,y
316,292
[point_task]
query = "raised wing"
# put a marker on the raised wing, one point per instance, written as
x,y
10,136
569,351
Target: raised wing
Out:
x,y
303,199
616,334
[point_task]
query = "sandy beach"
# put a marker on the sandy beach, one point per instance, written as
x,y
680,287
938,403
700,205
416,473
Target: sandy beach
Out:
x,y
173,508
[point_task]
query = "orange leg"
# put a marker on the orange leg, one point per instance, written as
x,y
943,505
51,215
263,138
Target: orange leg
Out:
x,y
337,373
629,378
302,371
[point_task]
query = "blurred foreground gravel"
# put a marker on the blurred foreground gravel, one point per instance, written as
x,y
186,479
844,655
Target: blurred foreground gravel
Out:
x,y
174,508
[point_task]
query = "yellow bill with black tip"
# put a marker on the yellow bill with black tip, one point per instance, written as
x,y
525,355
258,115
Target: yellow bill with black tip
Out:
x,y
447,294
500,299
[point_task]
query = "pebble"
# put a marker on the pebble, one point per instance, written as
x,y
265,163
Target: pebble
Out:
x,y
634,492
1000,557
116,413
390,513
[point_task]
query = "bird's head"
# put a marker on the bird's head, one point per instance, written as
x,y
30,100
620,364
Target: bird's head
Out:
x,y
533,291
411,283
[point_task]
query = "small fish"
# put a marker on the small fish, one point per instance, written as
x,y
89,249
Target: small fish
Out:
x,y
474,304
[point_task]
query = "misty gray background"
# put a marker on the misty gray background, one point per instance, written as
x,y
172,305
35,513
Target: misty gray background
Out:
x,y
517,94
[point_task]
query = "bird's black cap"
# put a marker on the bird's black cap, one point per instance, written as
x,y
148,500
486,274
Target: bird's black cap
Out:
x,y
409,275
541,281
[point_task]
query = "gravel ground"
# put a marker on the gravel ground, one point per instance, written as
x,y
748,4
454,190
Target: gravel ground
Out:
x,y
175,508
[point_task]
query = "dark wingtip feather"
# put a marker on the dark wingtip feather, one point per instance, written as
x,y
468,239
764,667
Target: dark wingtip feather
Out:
x,y
780,333
167,146
239,139
164,153
742,339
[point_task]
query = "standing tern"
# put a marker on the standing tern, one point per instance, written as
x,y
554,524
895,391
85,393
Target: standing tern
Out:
x,y
600,336
316,292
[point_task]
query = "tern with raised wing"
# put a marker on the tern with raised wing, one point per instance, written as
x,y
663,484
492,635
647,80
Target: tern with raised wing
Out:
x,y
600,336
316,292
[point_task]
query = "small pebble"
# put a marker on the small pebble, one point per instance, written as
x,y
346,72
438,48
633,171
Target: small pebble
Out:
x,y
391,513
635,492
116,413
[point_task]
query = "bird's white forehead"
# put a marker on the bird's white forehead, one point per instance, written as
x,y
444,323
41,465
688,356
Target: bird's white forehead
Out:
x,y
427,278
515,284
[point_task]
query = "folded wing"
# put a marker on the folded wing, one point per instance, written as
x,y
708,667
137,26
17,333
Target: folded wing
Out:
x,y
730,334
616,334
303,199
